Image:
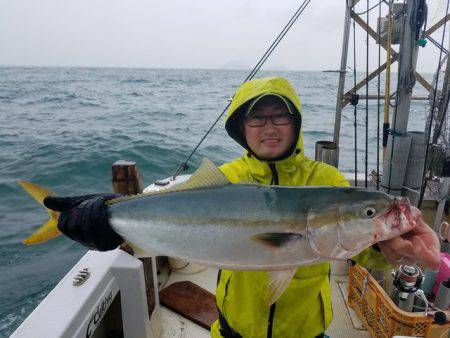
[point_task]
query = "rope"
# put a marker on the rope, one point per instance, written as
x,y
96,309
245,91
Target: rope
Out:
x,y
433,107
184,165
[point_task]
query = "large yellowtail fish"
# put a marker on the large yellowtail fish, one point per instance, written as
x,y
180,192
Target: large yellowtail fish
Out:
x,y
211,222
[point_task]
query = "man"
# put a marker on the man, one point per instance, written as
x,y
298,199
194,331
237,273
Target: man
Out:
x,y
265,118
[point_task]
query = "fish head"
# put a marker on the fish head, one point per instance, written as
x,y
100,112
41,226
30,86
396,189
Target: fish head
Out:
x,y
344,229
400,218
364,223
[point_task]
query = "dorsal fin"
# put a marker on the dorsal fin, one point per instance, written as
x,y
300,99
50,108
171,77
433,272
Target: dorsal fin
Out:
x,y
206,176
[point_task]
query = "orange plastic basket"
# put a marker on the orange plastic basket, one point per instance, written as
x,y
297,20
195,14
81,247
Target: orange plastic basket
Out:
x,y
380,315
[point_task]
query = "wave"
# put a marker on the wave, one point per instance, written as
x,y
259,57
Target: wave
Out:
x,y
133,80
65,134
90,104
54,99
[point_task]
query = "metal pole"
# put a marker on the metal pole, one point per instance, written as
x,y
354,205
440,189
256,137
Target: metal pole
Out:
x,y
409,49
340,93
394,166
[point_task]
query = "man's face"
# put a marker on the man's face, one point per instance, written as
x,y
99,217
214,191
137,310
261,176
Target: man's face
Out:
x,y
271,140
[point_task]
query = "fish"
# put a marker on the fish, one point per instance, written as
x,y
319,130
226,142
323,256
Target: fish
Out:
x,y
212,222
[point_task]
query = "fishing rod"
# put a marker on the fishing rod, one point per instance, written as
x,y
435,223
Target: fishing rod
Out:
x,y
355,103
378,107
184,165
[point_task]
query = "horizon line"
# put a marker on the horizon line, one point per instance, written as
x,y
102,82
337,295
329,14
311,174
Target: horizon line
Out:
x,y
180,68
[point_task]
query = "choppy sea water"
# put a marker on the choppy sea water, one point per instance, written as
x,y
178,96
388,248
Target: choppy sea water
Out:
x,y
63,128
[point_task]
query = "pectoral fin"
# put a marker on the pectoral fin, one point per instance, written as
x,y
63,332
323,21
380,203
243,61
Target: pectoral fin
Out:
x,y
278,239
278,282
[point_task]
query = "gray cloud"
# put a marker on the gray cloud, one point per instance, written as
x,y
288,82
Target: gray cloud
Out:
x,y
180,34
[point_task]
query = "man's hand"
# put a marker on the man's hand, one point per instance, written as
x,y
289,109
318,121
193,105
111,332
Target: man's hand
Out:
x,y
420,245
85,220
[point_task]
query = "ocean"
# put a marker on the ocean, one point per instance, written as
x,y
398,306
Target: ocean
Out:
x,y
63,128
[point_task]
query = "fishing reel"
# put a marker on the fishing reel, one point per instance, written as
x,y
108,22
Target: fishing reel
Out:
x,y
407,280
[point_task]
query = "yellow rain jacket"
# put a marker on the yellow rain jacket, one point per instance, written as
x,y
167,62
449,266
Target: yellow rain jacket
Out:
x,y
304,309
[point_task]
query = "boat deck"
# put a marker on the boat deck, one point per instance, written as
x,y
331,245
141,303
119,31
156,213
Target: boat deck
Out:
x,y
345,322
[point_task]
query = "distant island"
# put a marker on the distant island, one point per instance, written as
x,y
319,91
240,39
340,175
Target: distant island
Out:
x,y
235,65
333,71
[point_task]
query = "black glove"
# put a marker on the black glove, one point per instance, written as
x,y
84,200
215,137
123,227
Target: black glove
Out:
x,y
85,220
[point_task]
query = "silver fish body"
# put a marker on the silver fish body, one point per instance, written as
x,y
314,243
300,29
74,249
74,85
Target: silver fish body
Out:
x,y
252,227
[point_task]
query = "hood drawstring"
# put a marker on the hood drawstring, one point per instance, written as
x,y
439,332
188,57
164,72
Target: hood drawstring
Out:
x,y
273,170
274,181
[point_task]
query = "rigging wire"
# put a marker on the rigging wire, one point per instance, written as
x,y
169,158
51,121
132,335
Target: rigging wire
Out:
x,y
378,106
368,10
366,158
277,40
184,165
426,168
434,42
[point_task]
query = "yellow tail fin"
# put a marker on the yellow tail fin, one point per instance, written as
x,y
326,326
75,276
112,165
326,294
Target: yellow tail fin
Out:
x,y
49,230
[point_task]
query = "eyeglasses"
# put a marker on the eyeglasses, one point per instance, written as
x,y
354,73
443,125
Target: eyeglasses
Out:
x,y
255,120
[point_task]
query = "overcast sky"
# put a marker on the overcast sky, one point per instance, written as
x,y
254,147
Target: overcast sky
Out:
x,y
183,33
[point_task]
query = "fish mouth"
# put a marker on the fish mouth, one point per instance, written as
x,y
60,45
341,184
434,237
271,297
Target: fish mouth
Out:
x,y
409,215
402,202
400,218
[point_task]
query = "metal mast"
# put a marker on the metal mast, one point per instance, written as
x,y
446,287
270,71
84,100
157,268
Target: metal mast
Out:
x,y
399,142
342,71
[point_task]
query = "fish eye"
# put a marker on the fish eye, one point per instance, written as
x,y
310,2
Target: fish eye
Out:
x,y
369,211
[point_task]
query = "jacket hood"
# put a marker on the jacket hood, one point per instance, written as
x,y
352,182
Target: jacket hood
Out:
x,y
252,89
